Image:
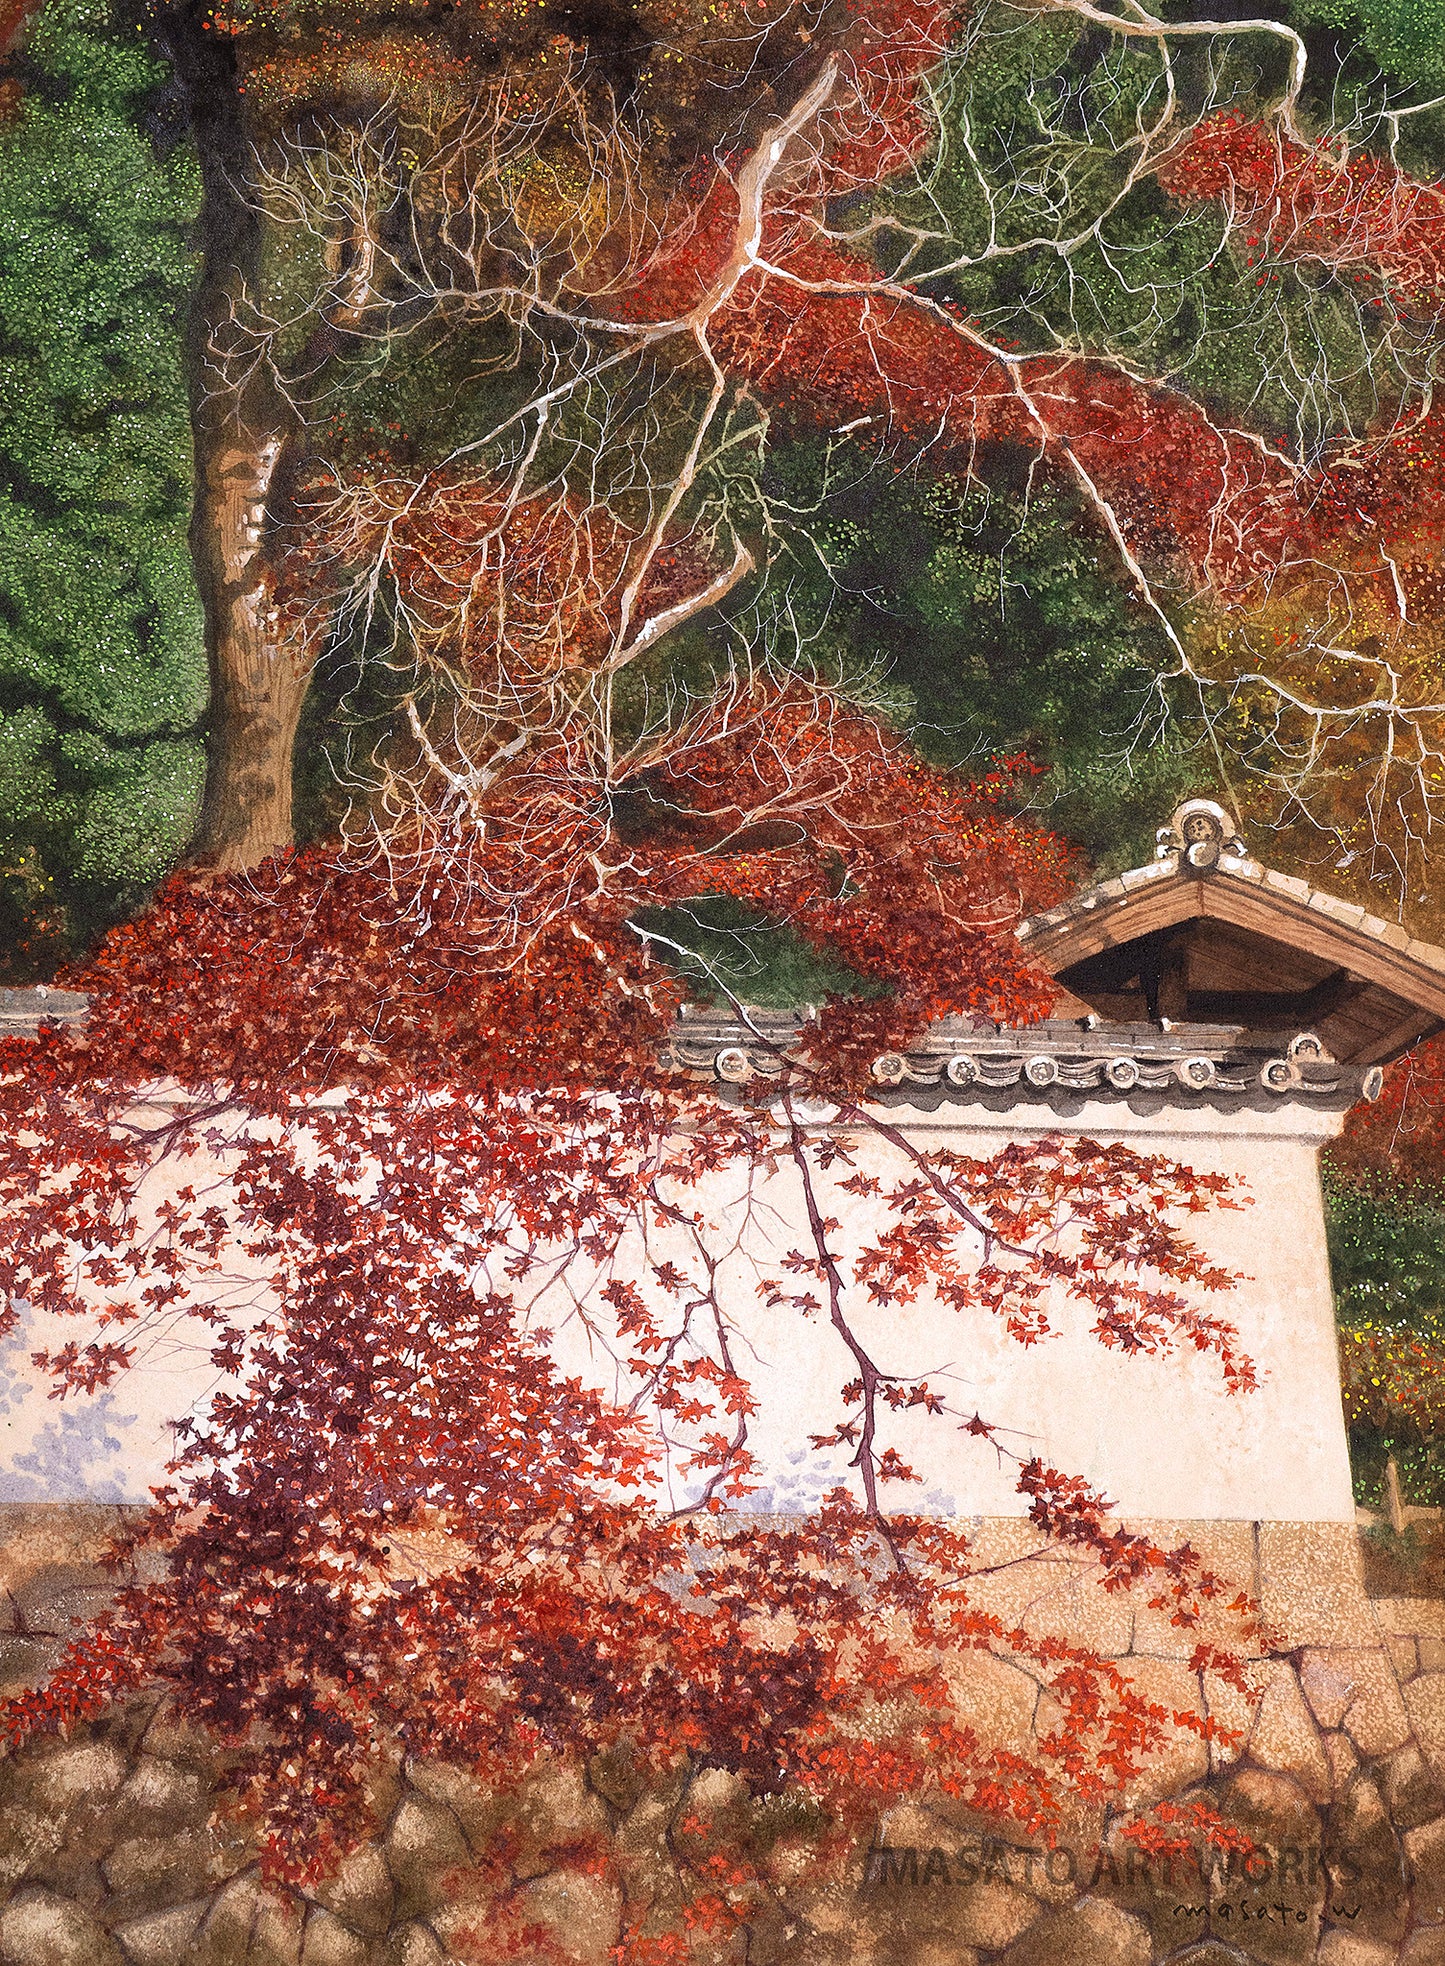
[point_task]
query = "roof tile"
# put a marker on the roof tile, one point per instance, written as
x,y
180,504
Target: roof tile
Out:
x,y
1288,884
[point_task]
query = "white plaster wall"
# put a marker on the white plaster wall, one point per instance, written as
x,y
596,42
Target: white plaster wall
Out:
x,y
1161,1436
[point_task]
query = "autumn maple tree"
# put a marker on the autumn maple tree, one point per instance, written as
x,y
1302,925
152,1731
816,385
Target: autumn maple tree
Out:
x,y
520,280
379,1123
516,268
522,295
500,330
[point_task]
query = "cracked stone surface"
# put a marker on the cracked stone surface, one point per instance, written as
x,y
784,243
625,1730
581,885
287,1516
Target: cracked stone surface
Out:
x,y
109,1857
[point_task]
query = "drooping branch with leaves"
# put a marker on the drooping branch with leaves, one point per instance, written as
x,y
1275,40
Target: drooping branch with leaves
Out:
x,y
373,1152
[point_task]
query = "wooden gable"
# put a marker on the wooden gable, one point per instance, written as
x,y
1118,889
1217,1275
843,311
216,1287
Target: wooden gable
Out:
x,y
1205,934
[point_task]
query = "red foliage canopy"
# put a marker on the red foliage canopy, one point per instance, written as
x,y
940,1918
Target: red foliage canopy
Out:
x,y
354,1125
1355,215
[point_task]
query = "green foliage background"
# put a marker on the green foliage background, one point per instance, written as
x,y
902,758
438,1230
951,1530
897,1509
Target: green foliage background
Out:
x,y
1405,37
1387,1256
997,624
102,665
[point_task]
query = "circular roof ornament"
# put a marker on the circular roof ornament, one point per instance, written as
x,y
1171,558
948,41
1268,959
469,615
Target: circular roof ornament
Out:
x,y
1199,833
1309,1047
733,1066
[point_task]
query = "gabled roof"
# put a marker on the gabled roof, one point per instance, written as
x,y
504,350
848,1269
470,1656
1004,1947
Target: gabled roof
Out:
x,y
1204,933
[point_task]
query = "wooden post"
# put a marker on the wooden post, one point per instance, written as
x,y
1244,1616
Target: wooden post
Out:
x,y
1394,1502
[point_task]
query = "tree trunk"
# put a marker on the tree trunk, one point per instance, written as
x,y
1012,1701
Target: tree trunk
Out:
x,y
245,437
259,675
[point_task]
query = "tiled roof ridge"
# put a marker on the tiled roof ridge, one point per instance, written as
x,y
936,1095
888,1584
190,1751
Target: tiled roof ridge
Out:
x,y
961,1057
25,1007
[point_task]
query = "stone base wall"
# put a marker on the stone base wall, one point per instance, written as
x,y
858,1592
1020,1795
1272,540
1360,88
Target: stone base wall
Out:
x,y
108,1856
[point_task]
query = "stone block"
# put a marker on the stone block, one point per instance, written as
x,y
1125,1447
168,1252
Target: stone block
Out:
x,y
36,1536
478,1812
995,1697
1231,1549
1278,1816
1327,1681
1365,1864
1343,1760
1425,1704
992,1914
1358,1828
1284,1736
38,1604
416,1945
1410,1615
169,1738
1348,1949
1233,1711
151,1869
1430,1651
1148,1887
1412,1794
583,1911
1184,1758
246,1923
714,1796
24,1662
1404,1655
38,1928
925,1952
1376,1721
1311,1584
160,1794
1425,1858
1425,1947
643,1853
912,1826
463,1927
788,1862
84,1772
555,1811
73,1873
163,1938
361,1891
27,1839
999,1539
1089,1933
1052,1595
1228,1549
957,1887
327,1942
832,1912
423,1842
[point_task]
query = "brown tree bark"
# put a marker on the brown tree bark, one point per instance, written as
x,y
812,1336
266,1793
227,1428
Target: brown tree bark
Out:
x,y
245,438
259,674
